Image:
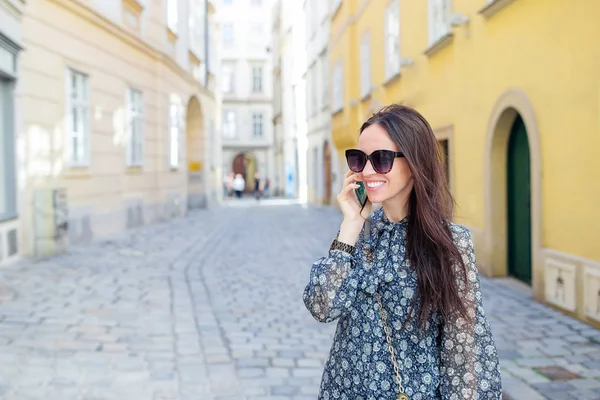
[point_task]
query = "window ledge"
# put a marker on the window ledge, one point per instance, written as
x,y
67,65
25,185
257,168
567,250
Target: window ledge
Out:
x,y
134,5
77,173
193,58
338,111
134,170
9,217
171,35
392,79
366,96
494,7
75,166
440,44
132,11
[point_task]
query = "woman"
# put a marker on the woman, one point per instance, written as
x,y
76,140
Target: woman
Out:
x,y
403,285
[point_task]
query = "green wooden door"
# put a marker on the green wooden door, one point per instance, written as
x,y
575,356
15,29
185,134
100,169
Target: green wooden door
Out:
x,y
519,203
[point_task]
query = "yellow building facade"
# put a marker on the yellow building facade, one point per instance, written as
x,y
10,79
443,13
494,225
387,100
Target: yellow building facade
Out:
x,y
118,105
511,90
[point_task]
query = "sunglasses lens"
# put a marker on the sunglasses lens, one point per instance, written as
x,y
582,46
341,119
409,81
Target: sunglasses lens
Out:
x,y
382,160
356,160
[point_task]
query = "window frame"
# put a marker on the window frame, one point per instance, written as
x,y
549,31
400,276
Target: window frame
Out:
x,y
82,136
135,127
257,88
174,136
258,115
365,64
392,49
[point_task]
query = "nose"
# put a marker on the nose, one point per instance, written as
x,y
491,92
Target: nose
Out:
x,y
368,170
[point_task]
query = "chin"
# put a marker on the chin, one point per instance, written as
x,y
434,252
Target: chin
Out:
x,y
378,198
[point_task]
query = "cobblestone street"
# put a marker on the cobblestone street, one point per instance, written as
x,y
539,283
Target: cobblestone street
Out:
x,y
210,308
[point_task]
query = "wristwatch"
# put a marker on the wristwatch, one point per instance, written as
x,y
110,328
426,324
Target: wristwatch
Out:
x,y
345,247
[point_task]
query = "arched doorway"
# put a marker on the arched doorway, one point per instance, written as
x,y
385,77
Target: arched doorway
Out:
x,y
195,155
513,192
518,202
245,164
327,172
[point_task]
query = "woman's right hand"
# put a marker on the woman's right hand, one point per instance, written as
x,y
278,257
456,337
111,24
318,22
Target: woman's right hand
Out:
x,y
349,205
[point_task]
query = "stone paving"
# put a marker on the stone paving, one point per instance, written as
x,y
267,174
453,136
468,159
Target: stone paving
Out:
x,y
210,308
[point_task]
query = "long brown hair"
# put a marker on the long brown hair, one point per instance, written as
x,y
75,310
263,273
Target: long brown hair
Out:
x,y
429,243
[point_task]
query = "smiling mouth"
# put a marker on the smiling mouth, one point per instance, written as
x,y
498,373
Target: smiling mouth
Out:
x,y
374,185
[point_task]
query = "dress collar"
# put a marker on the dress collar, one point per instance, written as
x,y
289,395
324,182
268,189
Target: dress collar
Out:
x,y
381,222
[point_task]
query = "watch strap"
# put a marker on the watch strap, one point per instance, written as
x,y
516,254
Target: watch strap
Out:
x,y
341,246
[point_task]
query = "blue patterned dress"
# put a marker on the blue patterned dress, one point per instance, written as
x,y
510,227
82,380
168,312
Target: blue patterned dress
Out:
x,y
455,361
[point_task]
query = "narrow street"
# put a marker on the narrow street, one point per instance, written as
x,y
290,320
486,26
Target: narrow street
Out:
x,y
210,308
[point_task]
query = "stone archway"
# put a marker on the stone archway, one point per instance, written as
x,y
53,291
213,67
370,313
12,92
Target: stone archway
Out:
x,y
510,106
195,154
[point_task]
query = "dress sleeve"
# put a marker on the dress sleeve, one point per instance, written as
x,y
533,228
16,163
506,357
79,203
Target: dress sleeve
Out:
x,y
333,285
469,359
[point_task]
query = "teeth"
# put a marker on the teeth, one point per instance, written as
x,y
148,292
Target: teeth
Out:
x,y
374,184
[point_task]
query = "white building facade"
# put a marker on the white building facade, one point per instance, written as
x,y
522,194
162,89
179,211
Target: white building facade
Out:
x,y
10,123
247,89
322,166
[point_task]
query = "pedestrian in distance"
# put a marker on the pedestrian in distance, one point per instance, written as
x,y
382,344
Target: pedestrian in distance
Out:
x,y
257,186
239,183
401,280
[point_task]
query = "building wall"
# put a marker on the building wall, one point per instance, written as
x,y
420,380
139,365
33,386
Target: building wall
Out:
x,y
511,58
318,106
249,24
10,123
107,196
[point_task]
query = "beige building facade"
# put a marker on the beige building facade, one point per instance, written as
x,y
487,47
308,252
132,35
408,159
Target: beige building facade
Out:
x,y
119,118
11,12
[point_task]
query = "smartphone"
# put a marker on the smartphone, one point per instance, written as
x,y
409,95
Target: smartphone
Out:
x,y
361,193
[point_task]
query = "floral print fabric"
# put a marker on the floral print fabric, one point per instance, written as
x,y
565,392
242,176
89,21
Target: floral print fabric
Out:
x,y
455,360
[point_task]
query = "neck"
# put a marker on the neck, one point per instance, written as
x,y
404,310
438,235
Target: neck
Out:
x,y
396,208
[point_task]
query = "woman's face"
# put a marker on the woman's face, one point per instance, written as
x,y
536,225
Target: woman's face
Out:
x,y
396,184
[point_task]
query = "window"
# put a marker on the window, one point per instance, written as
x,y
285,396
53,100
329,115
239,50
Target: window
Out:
x,y
314,98
257,124
174,129
392,40
257,75
79,120
324,80
365,65
337,100
172,14
8,197
256,2
135,134
228,34
228,2
439,11
229,124
228,79
445,150
196,27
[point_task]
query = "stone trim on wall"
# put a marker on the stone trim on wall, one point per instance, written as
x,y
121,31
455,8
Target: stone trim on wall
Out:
x,y
494,258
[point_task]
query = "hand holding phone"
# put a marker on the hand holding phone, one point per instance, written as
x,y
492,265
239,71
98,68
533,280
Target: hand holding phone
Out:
x,y
361,193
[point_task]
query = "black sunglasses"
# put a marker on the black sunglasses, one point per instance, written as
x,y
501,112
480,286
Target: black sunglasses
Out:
x,y
381,160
